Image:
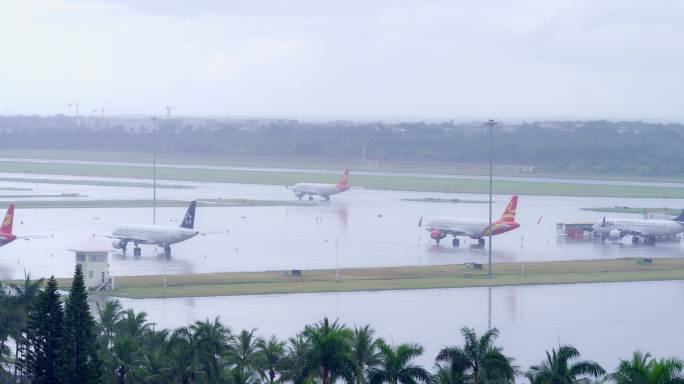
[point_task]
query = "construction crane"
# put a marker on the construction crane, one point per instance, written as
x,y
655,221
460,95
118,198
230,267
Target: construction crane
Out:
x,y
168,110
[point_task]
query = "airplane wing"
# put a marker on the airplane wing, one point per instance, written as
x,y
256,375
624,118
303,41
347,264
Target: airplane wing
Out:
x,y
207,233
32,237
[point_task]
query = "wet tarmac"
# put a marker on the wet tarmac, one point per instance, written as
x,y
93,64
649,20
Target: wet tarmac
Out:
x,y
374,228
604,321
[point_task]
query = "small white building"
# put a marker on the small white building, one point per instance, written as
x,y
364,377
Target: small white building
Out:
x,y
93,255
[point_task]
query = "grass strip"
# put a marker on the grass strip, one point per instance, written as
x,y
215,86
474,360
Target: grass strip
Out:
x,y
97,183
400,183
396,278
148,203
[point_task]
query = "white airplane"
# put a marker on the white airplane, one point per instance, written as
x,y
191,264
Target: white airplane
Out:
x,y
162,235
324,190
475,228
646,229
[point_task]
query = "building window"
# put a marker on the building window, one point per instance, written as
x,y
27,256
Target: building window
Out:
x,y
80,257
102,278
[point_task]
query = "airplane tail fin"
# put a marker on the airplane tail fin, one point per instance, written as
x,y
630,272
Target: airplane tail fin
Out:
x,y
7,222
189,218
680,218
344,181
509,214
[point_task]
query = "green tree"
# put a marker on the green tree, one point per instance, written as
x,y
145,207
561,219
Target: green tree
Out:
x,y
296,365
79,360
109,315
563,366
364,352
396,365
211,343
643,369
272,353
245,357
44,335
330,353
479,358
23,300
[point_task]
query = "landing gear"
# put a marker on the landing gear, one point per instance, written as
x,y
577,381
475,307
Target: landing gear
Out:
x,y
123,249
455,242
310,197
167,251
299,196
481,242
327,198
651,240
137,252
438,240
635,240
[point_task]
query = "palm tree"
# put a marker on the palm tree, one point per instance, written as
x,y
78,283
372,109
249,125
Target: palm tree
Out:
x,y
330,352
364,352
211,343
479,358
245,357
562,367
272,353
132,324
450,373
296,366
643,369
396,367
109,316
182,352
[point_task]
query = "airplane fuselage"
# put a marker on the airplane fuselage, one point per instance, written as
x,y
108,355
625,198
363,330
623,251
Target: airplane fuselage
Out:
x,y
472,227
154,234
320,189
639,227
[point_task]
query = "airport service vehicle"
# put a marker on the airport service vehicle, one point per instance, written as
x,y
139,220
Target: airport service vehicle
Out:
x,y
475,228
161,235
646,229
6,235
319,189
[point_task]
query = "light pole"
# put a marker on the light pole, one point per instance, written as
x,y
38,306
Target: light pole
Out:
x,y
491,124
154,170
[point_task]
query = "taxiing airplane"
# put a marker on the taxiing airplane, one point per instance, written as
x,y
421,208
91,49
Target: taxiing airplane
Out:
x,y
475,228
646,229
162,235
6,235
324,190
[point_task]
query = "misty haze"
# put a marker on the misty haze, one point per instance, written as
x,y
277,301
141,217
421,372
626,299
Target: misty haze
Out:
x,y
400,192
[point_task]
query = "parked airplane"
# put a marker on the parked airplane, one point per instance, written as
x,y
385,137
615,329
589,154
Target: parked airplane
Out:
x,y
6,235
475,228
646,229
155,234
324,190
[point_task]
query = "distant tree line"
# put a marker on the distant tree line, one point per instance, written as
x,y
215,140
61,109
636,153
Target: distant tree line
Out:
x,y
59,342
582,147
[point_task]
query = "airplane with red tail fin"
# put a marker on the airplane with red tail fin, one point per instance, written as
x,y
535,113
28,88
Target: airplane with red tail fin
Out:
x,y
6,235
319,189
475,228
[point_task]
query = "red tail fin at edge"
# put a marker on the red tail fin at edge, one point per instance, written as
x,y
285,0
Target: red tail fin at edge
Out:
x,y
509,214
7,222
344,181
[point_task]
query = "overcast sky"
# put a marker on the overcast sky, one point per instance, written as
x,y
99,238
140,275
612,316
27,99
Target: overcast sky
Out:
x,y
346,59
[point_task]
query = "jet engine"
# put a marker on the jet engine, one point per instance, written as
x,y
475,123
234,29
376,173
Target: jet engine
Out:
x,y
615,234
436,234
118,244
